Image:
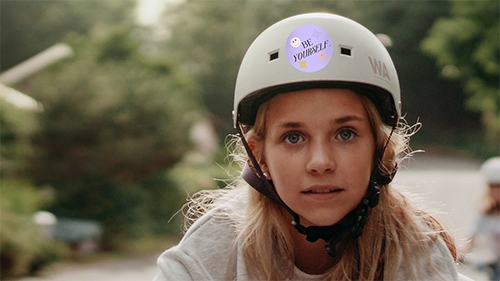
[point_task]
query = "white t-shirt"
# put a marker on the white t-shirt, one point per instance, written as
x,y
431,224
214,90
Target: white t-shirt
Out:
x,y
208,252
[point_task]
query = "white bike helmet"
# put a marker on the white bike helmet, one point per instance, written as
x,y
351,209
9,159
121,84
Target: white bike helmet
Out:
x,y
491,170
316,50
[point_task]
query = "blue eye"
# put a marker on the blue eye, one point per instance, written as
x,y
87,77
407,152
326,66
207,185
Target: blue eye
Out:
x,y
293,138
346,135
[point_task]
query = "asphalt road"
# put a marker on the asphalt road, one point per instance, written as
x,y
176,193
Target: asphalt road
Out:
x,y
450,187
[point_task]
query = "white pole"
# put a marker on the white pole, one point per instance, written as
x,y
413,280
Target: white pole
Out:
x,y
35,64
19,99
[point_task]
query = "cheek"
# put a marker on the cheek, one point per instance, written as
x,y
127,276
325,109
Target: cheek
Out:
x,y
369,155
359,159
258,152
355,169
281,167
273,164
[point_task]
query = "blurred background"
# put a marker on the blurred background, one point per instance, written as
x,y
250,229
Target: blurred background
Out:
x,y
113,112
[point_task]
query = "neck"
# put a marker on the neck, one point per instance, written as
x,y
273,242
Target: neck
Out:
x,y
310,257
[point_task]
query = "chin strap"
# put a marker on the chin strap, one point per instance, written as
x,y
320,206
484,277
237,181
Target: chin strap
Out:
x,y
353,223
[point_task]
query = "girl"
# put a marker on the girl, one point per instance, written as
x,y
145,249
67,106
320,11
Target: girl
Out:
x,y
485,243
317,108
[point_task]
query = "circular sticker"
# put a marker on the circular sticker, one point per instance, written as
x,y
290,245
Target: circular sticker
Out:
x,y
309,48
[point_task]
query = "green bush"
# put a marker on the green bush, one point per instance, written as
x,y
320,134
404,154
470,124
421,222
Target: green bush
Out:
x,y
22,250
113,123
126,210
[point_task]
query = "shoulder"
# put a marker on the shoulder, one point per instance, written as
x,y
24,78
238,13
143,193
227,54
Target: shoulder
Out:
x,y
442,258
206,250
437,264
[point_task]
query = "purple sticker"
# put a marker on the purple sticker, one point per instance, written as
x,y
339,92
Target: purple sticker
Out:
x,y
309,48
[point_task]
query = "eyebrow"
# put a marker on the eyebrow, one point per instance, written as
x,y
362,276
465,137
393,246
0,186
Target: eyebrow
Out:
x,y
348,119
337,121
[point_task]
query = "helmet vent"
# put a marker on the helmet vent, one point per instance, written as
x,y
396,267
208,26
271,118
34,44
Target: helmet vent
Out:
x,y
273,55
346,51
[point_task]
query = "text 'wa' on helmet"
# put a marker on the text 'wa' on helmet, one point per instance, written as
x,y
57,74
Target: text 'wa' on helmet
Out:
x,y
491,170
316,50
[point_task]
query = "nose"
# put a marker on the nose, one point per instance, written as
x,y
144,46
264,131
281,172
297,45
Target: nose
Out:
x,y
321,159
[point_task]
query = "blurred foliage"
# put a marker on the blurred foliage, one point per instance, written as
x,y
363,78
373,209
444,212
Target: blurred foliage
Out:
x,y
115,119
467,47
31,26
22,250
16,127
113,122
209,38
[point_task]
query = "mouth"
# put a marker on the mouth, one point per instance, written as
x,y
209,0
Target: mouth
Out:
x,y
322,190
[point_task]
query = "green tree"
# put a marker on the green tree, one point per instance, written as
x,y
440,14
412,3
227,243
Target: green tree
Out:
x,y
466,45
31,26
114,121
16,127
22,249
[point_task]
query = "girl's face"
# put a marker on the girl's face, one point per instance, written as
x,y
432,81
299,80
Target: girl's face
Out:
x,y
318,150
495,191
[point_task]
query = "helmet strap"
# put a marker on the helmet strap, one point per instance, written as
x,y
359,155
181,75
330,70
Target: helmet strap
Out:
x,y
384,178
352,224
253,175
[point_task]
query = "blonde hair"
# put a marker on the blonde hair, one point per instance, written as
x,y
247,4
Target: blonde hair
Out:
x,y
395,229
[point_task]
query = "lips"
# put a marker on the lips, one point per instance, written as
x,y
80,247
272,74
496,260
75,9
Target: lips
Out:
x,y
322,193
322,189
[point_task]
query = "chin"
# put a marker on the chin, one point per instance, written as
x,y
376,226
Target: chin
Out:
x,y
321,221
